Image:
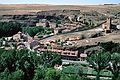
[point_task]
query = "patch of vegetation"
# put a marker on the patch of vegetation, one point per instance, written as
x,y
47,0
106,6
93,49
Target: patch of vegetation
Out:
x,y
8,29
26,65
39,31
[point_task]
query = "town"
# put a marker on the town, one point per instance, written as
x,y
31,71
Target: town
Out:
x,y
60,44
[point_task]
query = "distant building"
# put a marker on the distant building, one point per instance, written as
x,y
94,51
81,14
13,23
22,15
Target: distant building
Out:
x,y
17,36
83,57
34,43
58,67
21,46
46,24
107,25
40,24
118,27
65,54
57,31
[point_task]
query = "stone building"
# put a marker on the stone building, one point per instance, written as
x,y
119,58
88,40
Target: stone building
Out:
x,y
83,57
107,25
46,24
57,31
17,37
40,24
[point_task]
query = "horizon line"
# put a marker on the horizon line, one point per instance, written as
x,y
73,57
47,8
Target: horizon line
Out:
x,y
57,4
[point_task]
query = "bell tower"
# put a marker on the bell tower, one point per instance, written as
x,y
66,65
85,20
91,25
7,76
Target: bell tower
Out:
x,y
108,24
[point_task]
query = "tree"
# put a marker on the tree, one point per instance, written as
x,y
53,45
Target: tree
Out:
x,y
49,59
116,48
72,77
114,65
23,60
25,65
110,46
17,75
99,61
7,60
9,28
73,69
4,75
39,73
52,74
34,30
39,30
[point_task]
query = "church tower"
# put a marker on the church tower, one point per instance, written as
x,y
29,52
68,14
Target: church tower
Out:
x,y
108,24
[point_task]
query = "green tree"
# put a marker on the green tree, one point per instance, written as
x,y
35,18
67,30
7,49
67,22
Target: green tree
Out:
x,y
116,48
17,75
34,30
39,30
4,75
24,60
39,73
73,69
110,46
9,28
72,77
99,61
114,65
49,59
52,74
25,65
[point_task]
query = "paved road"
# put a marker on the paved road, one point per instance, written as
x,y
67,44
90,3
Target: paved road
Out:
x,y
73,62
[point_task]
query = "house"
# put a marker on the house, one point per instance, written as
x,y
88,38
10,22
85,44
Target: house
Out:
x,y
17,36
83,56
40,24
58,67
20,37
57,30
34,43
108,26
46,24
118,27
21,46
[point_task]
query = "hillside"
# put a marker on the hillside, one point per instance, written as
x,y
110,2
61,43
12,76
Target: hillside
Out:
x,y
31,8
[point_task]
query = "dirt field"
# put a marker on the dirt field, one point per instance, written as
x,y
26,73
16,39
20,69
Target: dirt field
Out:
x,y
31,8
115,37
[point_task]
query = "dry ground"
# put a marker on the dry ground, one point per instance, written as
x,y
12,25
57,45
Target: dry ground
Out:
x,y
114,36
30,8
